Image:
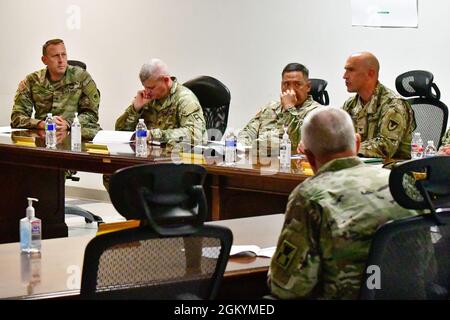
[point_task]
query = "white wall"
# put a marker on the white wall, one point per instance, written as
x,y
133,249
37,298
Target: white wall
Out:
x,y
244,43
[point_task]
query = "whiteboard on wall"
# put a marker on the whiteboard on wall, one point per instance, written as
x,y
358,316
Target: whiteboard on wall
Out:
x,y
385,13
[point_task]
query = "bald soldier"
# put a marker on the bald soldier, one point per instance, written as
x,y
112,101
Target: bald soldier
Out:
x,y
171,111
60,89
383,119
294,104
331,217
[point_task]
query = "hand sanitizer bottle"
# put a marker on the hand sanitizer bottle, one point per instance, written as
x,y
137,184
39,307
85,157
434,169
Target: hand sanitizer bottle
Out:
x,y
75,134
30,230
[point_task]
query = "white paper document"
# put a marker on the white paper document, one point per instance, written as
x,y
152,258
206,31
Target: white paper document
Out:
x,y
240,250
385,13
8,129
110,136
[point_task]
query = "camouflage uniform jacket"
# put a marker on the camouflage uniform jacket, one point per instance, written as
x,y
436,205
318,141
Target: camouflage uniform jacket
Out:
x,y
173,118
75,92
446,138
269,122
329,222
385,124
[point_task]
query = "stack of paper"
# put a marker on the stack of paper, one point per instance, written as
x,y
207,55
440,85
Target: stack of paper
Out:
x,y
109,136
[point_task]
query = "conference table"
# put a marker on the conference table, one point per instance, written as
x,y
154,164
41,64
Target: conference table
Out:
x,y
255,186
56,272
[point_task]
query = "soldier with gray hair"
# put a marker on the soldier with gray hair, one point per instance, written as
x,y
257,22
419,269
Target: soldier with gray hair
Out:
x,y
171,111
331,217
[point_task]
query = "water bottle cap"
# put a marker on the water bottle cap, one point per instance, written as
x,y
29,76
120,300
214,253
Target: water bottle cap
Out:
x,y
49,114
430,142
141,120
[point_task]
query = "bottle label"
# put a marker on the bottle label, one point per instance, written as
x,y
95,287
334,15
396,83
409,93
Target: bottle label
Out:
x,y
141,134
35,228
50,127
230,143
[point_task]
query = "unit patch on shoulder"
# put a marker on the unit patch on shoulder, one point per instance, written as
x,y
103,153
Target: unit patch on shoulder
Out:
x,y
392,125
285,254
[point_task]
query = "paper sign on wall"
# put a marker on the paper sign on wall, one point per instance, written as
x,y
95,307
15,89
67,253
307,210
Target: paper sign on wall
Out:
x,y
385,13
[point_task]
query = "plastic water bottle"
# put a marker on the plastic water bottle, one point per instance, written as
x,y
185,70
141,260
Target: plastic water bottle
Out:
x,y
50,132
230,149
285,151
141,139
416,146
430,150
75,134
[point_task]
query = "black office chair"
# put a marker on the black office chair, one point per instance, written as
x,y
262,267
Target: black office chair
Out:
x,y
214,97
318,91
89,217
430,113
413,254
172,255
77,63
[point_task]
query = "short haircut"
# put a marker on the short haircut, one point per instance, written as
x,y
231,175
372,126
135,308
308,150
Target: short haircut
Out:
x,y
50,42
153,69
328,130
292,67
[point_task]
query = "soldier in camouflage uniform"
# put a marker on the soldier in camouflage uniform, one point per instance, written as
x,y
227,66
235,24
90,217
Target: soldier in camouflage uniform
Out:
x,y
171,111
331,217
383,119
295,103
58,89
445,145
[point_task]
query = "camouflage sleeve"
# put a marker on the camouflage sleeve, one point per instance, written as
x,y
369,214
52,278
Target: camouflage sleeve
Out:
x,y
446,138
192,124
294,122
89,103
270,135
346,106
294,268
23,107
128,120
395,121
250,132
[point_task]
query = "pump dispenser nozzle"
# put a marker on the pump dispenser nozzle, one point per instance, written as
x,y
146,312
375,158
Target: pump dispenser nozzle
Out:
x,y
30,209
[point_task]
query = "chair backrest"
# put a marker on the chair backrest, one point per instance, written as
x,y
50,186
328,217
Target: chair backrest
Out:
x,y
409,259
77,63
214,97
430,113
141,264
412,255
172,255
167,195
422,184
318,91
